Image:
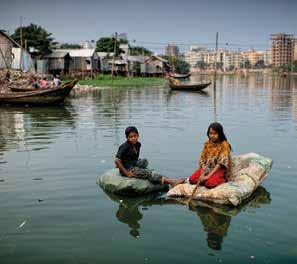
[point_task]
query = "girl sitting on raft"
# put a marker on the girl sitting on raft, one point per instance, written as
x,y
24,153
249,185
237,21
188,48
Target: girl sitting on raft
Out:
x,y
215,163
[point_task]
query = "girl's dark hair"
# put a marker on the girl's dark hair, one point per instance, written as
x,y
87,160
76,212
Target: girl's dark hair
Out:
x,y
219,129
130,129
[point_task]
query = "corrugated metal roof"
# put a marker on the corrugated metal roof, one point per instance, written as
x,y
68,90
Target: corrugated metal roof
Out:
x,y
15,44
104,54
57,54
156,58
79,52
138,58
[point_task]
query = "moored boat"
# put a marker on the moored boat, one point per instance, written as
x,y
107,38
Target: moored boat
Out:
x,y
21,89
179,76
38,97
191,86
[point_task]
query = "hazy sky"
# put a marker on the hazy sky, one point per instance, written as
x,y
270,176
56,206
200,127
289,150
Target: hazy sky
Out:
x,y
243,24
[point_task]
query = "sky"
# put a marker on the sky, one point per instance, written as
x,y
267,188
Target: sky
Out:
x,y
152,23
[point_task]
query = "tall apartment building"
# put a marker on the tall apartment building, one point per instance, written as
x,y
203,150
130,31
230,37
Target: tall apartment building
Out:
x,y
295,49
255,57
171,50
282,49
194,55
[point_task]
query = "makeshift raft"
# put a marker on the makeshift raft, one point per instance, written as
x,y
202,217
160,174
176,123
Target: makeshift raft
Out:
x,y
249,171
112,182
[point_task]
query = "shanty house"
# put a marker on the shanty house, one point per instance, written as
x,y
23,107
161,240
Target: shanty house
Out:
x,y
82,59
156,65
136,65
12,56
59,62
105,63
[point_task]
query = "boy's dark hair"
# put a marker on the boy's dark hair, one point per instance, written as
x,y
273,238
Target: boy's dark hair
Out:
x,y
219,129
130,129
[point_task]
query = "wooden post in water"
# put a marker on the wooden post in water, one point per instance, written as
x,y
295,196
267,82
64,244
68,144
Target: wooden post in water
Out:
x,y
114,53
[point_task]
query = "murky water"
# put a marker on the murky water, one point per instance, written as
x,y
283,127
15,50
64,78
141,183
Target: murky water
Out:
x,y
52,211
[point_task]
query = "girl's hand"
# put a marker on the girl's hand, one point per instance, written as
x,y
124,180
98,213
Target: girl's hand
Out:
x,y
204,178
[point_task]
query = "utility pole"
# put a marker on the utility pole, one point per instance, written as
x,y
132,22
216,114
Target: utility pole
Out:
x,y
21,42
216,57
215,80
114,53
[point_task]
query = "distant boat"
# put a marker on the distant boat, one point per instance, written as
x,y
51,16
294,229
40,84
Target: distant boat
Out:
x,y
190,86
179,76
49,96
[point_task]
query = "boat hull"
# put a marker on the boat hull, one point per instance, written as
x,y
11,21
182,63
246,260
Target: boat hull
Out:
x,y
179,76
189,87
38,97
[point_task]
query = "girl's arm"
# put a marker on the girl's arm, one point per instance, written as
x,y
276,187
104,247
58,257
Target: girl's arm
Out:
x,y
202,159
213,171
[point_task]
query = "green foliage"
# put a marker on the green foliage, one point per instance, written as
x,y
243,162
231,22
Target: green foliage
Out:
x,y
178,64
106,81
70,46
292,67
246,64
260,64
106,44
138,50
201,65
37,38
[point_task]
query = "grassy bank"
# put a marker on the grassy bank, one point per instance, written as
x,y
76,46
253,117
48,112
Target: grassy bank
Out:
x,y
106,81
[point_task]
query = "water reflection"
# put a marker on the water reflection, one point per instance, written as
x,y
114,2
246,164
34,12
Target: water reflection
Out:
x,y
32,128
215,218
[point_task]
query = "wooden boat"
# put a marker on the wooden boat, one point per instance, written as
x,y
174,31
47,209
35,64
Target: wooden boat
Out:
x,y
39,97
21,89
190,86
179,76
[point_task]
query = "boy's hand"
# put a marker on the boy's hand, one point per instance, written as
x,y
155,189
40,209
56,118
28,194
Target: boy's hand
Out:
x,y
131,173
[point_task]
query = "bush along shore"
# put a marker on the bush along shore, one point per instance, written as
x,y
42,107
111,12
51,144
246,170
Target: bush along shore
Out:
x,y
116,81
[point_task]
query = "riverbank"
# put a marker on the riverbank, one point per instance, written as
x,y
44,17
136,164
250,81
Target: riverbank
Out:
x,y
107,81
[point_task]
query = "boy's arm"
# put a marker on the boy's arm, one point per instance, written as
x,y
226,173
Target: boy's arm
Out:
x,y
123,169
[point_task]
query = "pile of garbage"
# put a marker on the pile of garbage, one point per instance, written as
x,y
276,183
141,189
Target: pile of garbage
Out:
x,y
16,78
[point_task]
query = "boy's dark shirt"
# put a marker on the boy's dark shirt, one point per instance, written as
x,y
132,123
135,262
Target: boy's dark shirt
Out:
x,y
128,154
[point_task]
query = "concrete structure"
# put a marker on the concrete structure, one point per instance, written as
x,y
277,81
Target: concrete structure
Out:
x,y
171,50
282,49
125,48
295,49
258,57
85,44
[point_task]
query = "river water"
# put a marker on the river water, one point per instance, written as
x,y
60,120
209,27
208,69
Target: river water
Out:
x,y
52,210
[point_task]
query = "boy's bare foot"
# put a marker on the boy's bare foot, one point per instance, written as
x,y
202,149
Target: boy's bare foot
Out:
x,y
177,181
172,182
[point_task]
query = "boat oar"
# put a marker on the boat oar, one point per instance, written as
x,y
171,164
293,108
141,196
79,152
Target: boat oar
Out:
x,y
196,187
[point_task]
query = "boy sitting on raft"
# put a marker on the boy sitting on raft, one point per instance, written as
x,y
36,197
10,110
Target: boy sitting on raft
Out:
x,y
129,164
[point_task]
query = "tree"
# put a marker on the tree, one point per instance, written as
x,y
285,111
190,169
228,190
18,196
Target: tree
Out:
x,y
106,44
246,64
178,64
201,65
260,64
138,50
37,38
